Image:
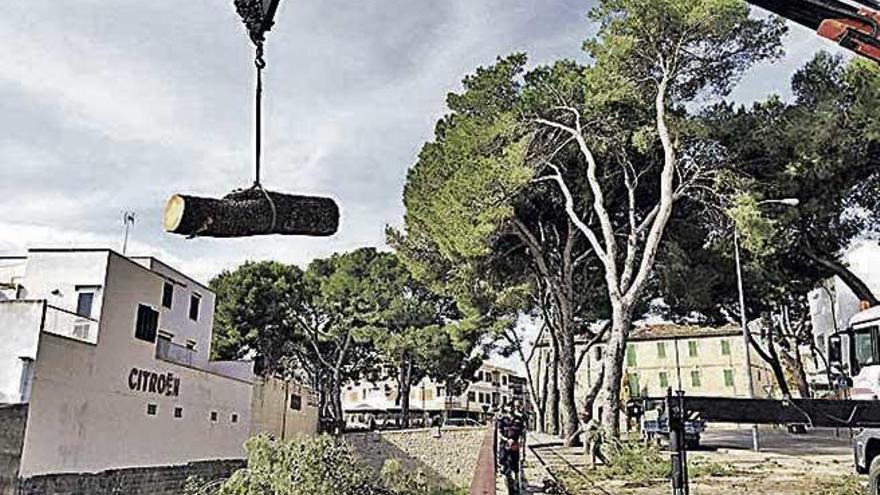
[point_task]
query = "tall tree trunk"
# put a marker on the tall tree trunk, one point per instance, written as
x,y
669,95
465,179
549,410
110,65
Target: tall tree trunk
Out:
x,y
771,357
544,367
404,387
567,382
553,399
593,394
803,383
615,352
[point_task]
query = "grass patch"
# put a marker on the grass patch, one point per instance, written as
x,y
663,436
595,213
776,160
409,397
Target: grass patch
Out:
x,y
843,485
710,469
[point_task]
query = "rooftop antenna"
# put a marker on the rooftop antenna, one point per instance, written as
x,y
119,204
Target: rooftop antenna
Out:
x,y
128,220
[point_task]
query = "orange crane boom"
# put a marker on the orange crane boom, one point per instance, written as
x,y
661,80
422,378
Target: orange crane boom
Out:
x,y
854,26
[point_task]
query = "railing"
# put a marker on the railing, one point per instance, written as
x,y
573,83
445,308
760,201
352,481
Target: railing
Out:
x,y
176,353
69,324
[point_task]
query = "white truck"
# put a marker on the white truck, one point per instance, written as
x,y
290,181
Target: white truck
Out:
x,y
856,353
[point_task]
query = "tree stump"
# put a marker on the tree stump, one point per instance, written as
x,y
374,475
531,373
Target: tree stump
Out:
x,y
251,212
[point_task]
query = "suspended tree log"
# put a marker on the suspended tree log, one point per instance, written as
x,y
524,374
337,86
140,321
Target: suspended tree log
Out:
x,y
250,212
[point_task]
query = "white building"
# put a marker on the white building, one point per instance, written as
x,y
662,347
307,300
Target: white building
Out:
x,y
111,357
491,387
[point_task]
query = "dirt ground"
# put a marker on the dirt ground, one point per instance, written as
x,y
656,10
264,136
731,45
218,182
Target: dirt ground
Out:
x,y
817,463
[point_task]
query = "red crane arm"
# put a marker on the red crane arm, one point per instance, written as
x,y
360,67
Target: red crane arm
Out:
x,y
855,27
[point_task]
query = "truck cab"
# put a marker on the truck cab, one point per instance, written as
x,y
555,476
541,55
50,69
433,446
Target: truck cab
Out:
x,y
856,353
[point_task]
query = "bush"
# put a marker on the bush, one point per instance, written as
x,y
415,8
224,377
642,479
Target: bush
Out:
x,y
637,462
321,465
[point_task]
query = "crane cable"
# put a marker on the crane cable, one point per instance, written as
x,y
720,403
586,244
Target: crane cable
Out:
x,y
260,64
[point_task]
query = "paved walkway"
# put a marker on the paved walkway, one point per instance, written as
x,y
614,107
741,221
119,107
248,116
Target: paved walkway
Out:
x,y
544,453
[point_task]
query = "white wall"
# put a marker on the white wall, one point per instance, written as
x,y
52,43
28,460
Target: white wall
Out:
x,y
84,417
61,272
19,332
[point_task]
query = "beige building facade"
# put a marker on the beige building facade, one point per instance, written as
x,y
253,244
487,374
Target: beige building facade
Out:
x,y
702,361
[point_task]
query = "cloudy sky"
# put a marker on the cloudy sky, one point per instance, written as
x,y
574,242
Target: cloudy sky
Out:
x,y
113,106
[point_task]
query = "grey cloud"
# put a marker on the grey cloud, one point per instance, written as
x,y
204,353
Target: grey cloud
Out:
x,y
107,106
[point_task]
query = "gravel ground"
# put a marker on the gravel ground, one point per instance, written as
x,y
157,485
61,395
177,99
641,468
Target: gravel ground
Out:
x,y
817,463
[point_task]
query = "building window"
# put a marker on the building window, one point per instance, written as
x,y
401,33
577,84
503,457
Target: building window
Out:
x,y
234,418
692,348
472,397
728,378
214,416
725,347
504,380
633,385
152,409
296,402
661,350
630,355
167,295
178,412
598,353
147,323
695,378
664,379
194,301
84,304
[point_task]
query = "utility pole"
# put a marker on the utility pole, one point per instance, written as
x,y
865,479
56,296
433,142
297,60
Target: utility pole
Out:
x,y
128,220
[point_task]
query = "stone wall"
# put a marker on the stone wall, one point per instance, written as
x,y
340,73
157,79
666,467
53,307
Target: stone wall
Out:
x,y
164,480
449,460
13,419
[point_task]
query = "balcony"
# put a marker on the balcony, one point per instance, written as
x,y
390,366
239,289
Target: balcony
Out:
x,y
69,324
175,353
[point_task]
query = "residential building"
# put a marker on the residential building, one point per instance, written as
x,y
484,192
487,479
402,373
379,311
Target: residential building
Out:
x,y
491,387
706,361
109,358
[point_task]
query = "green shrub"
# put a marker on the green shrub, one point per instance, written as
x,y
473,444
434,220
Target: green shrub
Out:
x,y
320,465
637,462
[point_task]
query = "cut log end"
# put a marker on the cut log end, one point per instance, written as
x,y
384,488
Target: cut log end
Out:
x,y
251,212
174,209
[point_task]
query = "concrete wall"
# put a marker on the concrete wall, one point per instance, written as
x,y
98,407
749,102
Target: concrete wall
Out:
x,y
163,480
20,323
449,460
271,412
85,417
12,424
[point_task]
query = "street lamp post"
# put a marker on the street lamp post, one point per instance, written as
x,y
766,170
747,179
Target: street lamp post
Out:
x,y
745,332
742,312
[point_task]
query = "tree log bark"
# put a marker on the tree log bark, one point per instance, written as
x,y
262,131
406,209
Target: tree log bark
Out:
x,y
249,213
